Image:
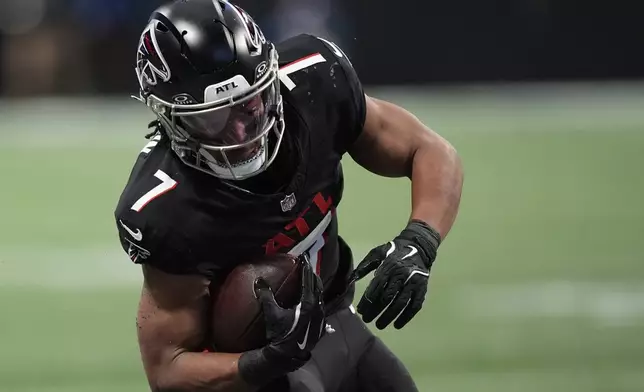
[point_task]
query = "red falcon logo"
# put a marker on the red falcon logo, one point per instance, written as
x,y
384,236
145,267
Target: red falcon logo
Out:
x,y
150,63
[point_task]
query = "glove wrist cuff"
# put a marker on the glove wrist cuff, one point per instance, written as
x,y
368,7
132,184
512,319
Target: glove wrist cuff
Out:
x,y
425,236
253,368
260,367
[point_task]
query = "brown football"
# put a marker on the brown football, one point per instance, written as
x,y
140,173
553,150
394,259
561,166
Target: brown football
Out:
x,y
236,320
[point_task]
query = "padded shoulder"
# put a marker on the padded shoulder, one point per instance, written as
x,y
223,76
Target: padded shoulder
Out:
x,y
315,70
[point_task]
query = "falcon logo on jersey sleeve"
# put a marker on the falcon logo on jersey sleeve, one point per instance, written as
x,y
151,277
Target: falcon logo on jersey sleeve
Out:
x,y
150,63
136,252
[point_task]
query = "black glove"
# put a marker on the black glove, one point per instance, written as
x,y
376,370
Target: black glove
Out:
x,y
292,333
400,281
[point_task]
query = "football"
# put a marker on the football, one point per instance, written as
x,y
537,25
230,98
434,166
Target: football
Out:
x,y
236,318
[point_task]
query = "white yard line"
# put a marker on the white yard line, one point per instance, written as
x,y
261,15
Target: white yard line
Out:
x,y
68,269
605,303
73,269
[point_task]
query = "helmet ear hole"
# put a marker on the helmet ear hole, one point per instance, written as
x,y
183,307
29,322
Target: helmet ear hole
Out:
x,y
161,27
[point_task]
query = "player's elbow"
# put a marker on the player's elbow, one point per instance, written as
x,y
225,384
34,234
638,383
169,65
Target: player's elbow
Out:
x,y
433,150
169,388
431,140
452,157
166,376
164,388
452,163
166,383
163,381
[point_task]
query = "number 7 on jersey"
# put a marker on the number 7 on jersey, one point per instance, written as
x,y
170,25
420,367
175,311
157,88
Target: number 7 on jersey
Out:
x,y
167,184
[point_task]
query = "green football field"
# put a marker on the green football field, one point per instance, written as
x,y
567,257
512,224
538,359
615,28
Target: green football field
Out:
x,y
539,287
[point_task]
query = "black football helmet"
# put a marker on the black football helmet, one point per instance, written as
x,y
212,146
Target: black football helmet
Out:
x,y
211,77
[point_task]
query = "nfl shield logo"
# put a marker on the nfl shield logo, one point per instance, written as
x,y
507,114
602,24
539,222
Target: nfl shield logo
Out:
x,y
288,203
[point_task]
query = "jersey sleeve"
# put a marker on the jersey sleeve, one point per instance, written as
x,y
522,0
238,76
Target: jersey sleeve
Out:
x,y
152,230
350,95
171,249
149,242
321,81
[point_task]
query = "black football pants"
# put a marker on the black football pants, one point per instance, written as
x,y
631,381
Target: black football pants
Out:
x,y
351,359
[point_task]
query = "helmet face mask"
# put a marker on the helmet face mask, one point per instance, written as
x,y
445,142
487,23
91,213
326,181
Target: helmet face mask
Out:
x,y
219,121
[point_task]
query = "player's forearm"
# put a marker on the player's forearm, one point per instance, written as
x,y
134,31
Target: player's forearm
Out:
x,y
202,372
437,181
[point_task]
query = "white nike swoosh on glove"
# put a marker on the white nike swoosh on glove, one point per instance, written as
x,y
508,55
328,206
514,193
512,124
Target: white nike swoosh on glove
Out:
x,y
417,272
306,337
411,253
391,250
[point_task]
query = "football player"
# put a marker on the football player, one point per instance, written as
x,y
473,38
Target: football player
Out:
x,y
244,161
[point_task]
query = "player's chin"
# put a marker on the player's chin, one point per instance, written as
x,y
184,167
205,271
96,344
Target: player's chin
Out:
x,y
239,156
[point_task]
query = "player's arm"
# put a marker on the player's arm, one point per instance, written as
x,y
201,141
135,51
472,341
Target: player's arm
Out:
x,y
171,324
395,143
388,140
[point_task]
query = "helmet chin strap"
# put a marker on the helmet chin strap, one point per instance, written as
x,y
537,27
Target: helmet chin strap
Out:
x,y
244,170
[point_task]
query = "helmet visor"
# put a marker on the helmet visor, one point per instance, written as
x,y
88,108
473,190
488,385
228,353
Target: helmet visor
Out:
x,y
232,126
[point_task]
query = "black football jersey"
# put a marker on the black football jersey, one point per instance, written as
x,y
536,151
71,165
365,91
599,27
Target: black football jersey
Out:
x,y
183,221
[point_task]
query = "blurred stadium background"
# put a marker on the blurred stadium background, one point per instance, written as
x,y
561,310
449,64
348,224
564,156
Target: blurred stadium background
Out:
x,y
540,286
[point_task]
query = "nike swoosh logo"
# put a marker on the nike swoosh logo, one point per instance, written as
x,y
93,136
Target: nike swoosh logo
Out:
x,y
306,337
138,236
417,272
411,253
392,248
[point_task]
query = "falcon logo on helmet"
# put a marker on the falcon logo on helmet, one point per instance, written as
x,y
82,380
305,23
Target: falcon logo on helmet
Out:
x,y
150,64
255,36
223,110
